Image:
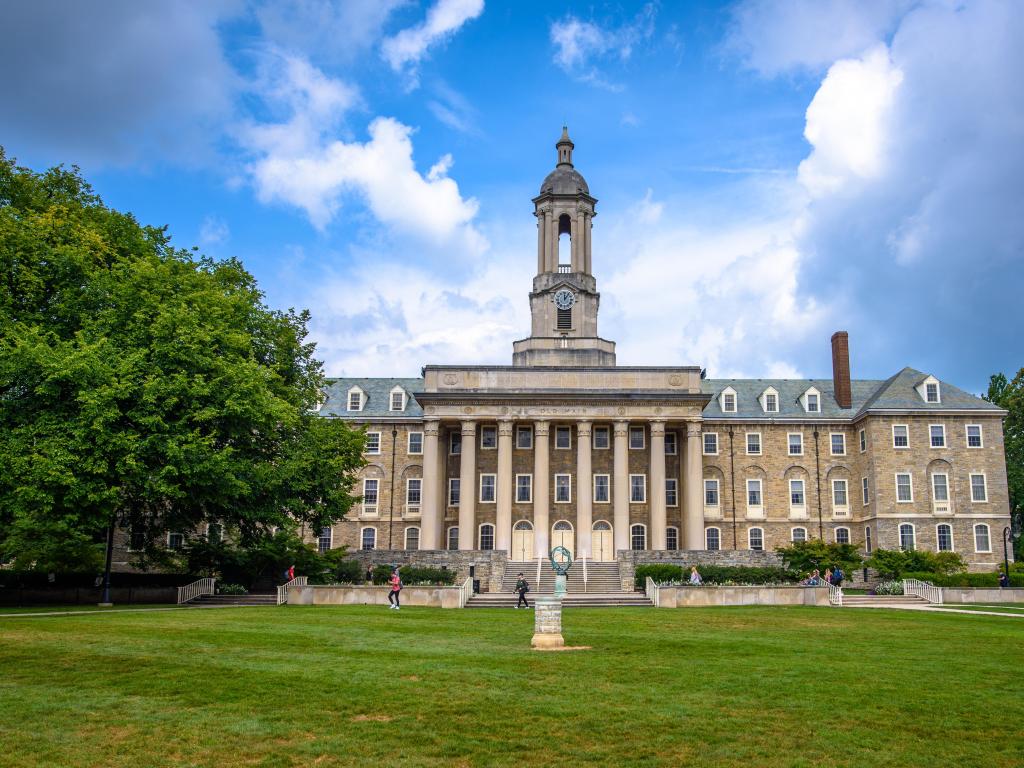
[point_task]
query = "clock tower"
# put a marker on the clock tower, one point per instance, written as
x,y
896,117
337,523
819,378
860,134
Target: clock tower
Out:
x,y
564,300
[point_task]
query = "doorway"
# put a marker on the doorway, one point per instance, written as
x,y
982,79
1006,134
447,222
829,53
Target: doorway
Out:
x,y
604,547
562,536
522,542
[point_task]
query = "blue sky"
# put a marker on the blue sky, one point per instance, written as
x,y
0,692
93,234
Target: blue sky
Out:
x,y
767,171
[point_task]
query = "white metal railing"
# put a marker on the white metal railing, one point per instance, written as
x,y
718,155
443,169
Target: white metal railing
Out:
x,y
540,562
282,591
835,595
652,591
196,589
584,558
929,592
465,592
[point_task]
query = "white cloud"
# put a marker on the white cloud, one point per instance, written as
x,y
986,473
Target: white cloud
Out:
x,y
404,51
214,231
580,44
451,108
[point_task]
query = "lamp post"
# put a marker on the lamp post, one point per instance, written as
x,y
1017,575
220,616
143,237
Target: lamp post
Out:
x,y
1010,534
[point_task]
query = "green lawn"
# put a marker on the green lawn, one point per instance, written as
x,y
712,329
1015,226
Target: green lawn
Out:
x,y
366,686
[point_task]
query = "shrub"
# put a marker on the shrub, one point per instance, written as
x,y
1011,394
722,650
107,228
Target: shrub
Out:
x,y
349,572
889,588
965,579
805,556
662,573
232,589
412,575
665,573
894,563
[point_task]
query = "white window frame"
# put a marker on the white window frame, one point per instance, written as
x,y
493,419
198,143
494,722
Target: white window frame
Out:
x,y
831,445
938,538
348,399
798,508
405,538
910,485
707,539
563,429
631,534
984,487
981,436
930,439
604,430
792,533
523,429
901,447
865,491
529,488
717,490
480,536
671,491
643,488
488,429
849,535
607,488
867,539
408,447
755,509
837,508
371,509
723,398
391,399
704,443
988,537
408,488
935,498
668,539
922,390
862,437
452,530
637,429
763,399
760,444
320,539
493,486
750,537
789,444
362,538
568,485
671,443
913,536
369,452
452,482
805,400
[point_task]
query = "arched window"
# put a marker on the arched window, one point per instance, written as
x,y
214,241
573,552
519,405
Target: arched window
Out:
x,y
412,538
713,538
842,535
564,241
486,536
638,537
522,525
672,538
799,534
453,537
755,539
368,538
982,542
906,536
603,525
944,537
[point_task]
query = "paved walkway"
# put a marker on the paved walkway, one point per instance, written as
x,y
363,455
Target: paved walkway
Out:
x,y
939,609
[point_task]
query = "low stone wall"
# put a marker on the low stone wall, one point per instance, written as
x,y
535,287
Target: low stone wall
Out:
x,y
694,597
982,595
14,596
344,594
630,559
488,565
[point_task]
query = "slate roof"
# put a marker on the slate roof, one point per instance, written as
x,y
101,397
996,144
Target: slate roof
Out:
x,y
748,406
899,392
378,398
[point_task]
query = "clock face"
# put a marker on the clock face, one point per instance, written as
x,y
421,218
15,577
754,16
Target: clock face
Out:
x,y
565,298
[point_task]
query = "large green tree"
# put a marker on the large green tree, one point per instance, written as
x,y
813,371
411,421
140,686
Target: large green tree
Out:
x,y
1010,395
147,386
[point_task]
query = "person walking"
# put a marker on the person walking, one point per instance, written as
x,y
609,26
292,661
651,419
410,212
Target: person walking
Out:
x,y
396,587
1004,580
291,572
522,587
695,578
838,576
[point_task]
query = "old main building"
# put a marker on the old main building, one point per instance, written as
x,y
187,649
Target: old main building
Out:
x,y
564,447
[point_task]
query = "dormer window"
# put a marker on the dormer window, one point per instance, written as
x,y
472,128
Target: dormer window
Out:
x,y
770,400
811,400
727,400
929,390
356,399
397,399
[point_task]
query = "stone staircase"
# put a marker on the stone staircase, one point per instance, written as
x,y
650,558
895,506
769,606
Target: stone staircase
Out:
x,y
603,587
253,598
882,601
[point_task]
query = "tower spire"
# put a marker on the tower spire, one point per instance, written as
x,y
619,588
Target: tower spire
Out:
x,y
565,147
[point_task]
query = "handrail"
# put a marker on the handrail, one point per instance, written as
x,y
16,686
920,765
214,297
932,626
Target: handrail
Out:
x,y
929,592
196,589
652,590
540,561
584,557
465,592
282,590
835,595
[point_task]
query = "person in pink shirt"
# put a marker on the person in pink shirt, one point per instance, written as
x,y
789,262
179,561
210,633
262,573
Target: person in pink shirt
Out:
x,y
396,587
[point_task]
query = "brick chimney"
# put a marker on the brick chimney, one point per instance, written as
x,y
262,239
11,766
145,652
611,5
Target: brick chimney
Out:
x,y
841,368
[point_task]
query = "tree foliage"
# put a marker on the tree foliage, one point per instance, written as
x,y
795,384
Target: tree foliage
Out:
x,y
894,563
1010,395
804,556
142,384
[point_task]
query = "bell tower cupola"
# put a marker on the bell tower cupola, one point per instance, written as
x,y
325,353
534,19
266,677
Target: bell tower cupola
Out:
x,y
564,300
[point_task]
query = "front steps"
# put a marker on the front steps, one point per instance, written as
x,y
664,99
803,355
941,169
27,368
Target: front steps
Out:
x,y
571,600
882,601
253,598
602,578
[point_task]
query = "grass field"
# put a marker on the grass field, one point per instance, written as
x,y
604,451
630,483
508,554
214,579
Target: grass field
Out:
x,y
362,686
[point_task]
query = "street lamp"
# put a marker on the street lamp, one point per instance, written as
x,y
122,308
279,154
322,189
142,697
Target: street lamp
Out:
x,y
1010,534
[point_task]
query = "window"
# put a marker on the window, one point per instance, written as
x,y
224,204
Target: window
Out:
x,y
711,493
563,489
355,400
454,484
453,537
415,442
863,440
455,443
755,539
488,437
813,406
486,536
867,539
671,492
944,537
136,539
865,494
637,489
601,495
671,444
563,438
373,442
323,542
175,540
770,401
413,486
710,443
842,535
368,539
904,487
937,432
940,488
974,436
931,391
754,443
753,493
900,436
713,539
906,537
839,497
370,487
524,438
636,438
398,401
978,491
796,493
487,488
638,537
838,440
796,444
412,538
601,438
798,535
729,402
524,489
671,539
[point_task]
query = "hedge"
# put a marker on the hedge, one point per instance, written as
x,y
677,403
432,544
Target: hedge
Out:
x,y
664,573
965,579
412,575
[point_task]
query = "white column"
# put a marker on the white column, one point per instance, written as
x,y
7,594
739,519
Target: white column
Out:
x,y
584,493
620,486
541,490
657,490
693,488
503,516
467,487
431,515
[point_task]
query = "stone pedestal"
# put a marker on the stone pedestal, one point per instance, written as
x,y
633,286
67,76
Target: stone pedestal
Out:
x,y
547,628
560,585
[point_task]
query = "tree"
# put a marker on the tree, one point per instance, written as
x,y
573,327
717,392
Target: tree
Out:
x,y
804,556
145,386
1010,395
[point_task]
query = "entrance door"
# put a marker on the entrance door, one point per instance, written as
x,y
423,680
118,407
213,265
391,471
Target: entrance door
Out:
x,y
562,536
601,541
522,541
